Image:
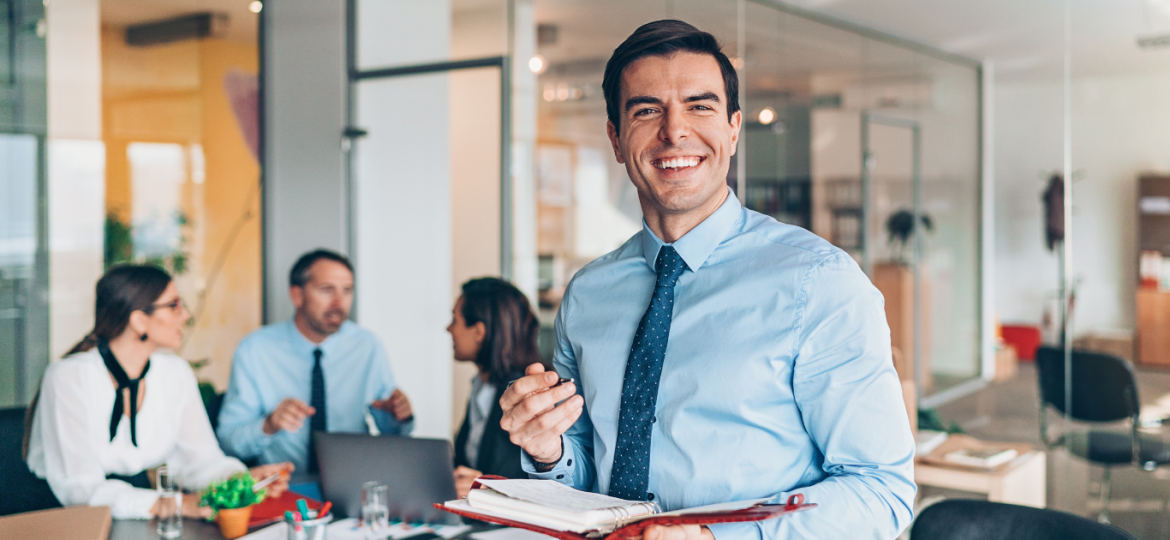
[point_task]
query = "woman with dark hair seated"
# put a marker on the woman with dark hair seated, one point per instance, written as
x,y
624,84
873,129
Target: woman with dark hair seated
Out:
x,y
492,325
116,406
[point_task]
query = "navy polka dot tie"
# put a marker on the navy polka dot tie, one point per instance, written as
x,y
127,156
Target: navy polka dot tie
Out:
x,y
631,461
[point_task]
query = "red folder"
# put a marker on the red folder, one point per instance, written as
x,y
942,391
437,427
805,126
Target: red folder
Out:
x,y
272,509
756,513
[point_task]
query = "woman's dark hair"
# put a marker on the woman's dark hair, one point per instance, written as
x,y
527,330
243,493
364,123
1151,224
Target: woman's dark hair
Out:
x,y
123,290
509,343
664,38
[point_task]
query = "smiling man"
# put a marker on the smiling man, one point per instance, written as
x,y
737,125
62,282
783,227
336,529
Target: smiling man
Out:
x,y
317,372
720,355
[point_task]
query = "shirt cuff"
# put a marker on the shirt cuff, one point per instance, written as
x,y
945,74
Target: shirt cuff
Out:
x,y
561,472
258,441
134,504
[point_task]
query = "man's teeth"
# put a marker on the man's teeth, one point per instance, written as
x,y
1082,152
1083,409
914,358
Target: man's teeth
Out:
x,y
678,163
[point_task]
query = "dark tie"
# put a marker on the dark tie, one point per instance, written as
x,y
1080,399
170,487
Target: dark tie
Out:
x,y
631,461
317,401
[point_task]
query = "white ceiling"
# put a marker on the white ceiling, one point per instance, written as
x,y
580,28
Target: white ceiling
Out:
x,y
1024,38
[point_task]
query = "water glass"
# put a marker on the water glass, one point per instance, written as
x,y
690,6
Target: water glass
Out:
x,y
170,504
375,508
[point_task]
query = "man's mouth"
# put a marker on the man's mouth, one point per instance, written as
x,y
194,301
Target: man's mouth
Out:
x,y
677,163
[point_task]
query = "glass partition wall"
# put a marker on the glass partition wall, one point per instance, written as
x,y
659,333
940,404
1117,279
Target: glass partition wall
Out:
x,y
808,157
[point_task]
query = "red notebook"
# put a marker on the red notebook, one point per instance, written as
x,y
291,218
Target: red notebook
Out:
x,y
272,509
755,513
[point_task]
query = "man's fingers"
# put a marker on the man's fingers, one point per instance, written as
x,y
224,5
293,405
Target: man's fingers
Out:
x,y
549,425
526,385
533,369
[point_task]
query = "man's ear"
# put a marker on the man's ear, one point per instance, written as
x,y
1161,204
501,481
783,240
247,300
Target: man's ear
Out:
x,y
615,141
736,123
297,295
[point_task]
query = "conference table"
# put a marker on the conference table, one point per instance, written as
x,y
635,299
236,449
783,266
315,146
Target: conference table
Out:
x,y
198,529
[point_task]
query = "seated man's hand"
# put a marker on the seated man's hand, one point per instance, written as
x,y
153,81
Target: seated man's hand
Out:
x,y
289,415
397,404
532,417
464,478
278,486
677,532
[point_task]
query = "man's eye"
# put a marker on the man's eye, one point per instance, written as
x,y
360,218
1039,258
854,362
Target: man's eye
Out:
x,y
643,112
702,107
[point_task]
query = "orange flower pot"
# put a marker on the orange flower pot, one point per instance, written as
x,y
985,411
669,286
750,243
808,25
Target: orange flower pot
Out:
x,y
233,522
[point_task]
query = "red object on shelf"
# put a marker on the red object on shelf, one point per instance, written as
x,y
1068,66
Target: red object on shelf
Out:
x,y
1024,339
272,509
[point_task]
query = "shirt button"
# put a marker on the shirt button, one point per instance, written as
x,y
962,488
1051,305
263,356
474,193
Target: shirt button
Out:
x,y
560,476
654,420
650,496
570,463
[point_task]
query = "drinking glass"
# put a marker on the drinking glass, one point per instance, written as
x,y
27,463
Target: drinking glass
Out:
x,y
374,505
170,504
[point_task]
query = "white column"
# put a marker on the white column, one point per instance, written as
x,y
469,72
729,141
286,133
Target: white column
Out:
x,y
76,167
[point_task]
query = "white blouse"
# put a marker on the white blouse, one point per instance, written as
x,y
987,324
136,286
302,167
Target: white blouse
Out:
x,y
70,443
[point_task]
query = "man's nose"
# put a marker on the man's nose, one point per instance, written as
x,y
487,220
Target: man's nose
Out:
x,y
676,127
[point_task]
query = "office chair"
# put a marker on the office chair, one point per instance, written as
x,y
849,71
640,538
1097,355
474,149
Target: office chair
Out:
x,y
969,519
23,491
1103,390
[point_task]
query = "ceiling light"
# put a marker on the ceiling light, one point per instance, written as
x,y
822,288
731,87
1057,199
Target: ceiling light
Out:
x,y
256,6
537,64
767,116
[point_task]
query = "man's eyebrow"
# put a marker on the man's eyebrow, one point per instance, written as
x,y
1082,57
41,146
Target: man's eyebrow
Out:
x,y
642,100
709,96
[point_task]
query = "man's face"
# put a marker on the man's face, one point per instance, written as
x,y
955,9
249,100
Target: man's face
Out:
x,y
675,138
324,302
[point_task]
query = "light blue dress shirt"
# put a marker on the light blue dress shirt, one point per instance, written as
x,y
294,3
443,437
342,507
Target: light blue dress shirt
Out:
x,y
778,379
276,362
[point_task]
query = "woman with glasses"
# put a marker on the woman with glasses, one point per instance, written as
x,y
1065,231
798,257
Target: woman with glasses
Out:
x,y
492,325
117,406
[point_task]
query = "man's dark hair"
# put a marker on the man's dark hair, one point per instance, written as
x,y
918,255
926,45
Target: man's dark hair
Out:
x,y
664,38
299,275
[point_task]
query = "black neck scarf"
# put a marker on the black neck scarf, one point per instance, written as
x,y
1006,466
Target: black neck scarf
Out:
x,y
124,381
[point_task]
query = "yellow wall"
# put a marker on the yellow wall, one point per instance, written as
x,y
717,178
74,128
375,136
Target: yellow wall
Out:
x,y
175,93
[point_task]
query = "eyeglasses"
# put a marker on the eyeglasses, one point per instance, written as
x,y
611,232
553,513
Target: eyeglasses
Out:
x,y
174,305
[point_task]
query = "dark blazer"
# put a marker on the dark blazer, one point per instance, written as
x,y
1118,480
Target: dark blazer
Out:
x,y
497,454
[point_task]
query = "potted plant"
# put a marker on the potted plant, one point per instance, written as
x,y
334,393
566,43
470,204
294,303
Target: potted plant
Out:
x,y
232,500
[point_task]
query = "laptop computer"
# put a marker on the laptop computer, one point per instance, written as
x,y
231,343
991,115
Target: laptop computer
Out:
x,y
417,472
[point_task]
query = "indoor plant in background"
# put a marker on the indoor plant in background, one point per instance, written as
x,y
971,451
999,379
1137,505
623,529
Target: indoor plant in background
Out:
x,y
232,500
895,279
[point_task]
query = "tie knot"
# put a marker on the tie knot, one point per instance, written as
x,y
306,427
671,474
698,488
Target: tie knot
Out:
x,y
670,266
317,354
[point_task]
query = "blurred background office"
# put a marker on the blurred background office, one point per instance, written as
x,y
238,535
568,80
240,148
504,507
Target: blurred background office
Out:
x,y
437,141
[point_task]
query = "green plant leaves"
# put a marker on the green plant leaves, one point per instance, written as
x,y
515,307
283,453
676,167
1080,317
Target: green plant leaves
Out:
x,y
233,492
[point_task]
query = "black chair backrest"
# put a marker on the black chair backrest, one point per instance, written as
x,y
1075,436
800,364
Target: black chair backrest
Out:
x,y
23,491
966,519
1104,388
213,403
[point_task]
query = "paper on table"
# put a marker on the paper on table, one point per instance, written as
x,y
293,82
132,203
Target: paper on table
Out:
x,y
350,529
555,495
276,531
509,534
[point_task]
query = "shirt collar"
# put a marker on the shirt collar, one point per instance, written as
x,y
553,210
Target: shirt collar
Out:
x,y
698,244
302,343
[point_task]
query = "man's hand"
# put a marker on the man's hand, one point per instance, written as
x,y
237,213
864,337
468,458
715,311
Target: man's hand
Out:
x,y
289,415
532,417
397,405
464,477
676,532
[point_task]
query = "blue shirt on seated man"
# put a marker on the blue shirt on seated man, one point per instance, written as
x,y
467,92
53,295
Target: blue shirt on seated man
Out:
x,y
317,372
